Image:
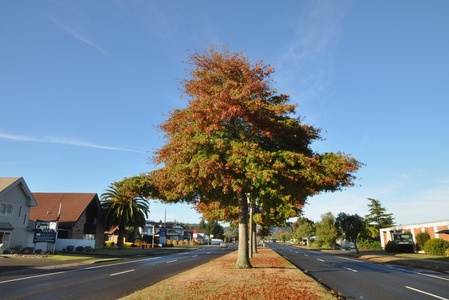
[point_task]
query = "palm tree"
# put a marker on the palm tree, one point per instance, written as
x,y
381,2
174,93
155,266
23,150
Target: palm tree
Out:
x,y
123,208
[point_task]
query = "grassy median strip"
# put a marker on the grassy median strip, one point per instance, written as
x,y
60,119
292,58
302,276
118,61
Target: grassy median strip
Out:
x,y
272,277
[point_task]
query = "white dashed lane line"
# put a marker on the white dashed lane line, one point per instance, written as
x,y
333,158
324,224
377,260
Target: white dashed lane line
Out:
x,y
426,293
120,273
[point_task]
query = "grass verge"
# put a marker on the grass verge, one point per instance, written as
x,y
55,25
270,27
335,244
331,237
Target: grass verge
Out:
x,y
271,277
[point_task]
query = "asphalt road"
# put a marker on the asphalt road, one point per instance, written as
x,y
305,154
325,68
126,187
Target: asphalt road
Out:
x,y
355,278
105,280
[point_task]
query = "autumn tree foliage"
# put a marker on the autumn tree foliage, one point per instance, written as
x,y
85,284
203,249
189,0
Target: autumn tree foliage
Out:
x,y
238,141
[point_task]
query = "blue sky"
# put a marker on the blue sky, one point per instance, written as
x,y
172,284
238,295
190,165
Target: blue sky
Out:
x,y
83,85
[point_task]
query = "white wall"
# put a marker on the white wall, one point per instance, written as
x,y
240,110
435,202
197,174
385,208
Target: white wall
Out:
x,y
63,243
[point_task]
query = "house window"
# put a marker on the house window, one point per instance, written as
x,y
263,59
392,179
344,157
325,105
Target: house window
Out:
x,y
20,210
24,219
88,236
4,238
6,210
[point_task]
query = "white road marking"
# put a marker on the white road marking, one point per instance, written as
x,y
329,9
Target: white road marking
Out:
x,y
433,276
195,256
89,268
171,261
119,273
351,259
426,293
35,276
349,269
121,263
320,259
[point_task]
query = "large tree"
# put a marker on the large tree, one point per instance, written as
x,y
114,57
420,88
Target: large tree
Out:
x,y
350,227
305,229
123,208
237,141
326,230
377,218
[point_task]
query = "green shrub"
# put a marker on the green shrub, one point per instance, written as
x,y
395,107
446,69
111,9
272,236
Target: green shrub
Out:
x,y
421,239
406,248
109,243
375,245
79,249
128,244
88,249
436,246
318,243
70,248
369,245
38,251
27,250
392,247
395,248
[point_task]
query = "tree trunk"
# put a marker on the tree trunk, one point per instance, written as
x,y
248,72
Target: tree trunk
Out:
x,y
243,251
121,237
356,248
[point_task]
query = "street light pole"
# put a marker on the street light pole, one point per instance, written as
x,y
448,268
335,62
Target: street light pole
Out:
x,y
250,248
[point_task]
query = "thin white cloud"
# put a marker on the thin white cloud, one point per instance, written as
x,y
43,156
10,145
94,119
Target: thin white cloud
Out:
x,y
78,36
52,140
308,64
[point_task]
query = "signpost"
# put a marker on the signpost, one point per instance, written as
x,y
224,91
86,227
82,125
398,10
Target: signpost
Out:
x,y
45,231
403,239
163,236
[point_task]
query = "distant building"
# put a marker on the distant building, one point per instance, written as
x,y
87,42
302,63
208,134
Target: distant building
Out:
x,y
387,234
174,231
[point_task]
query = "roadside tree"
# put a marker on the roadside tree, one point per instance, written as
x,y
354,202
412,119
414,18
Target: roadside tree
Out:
x,y
350,227
377,218
236,141
230,233
305,229
123,208
326,230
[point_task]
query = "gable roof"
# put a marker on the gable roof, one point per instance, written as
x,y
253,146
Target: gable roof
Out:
x,y
9,183
72,206
6,182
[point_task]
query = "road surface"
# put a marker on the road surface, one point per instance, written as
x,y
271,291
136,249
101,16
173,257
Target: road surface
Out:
x,y
104,280
354,278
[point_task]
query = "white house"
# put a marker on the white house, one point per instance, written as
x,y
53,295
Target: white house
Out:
x,y
16,200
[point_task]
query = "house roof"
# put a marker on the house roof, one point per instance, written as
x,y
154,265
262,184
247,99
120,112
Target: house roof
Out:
x,y
8,183
72,206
